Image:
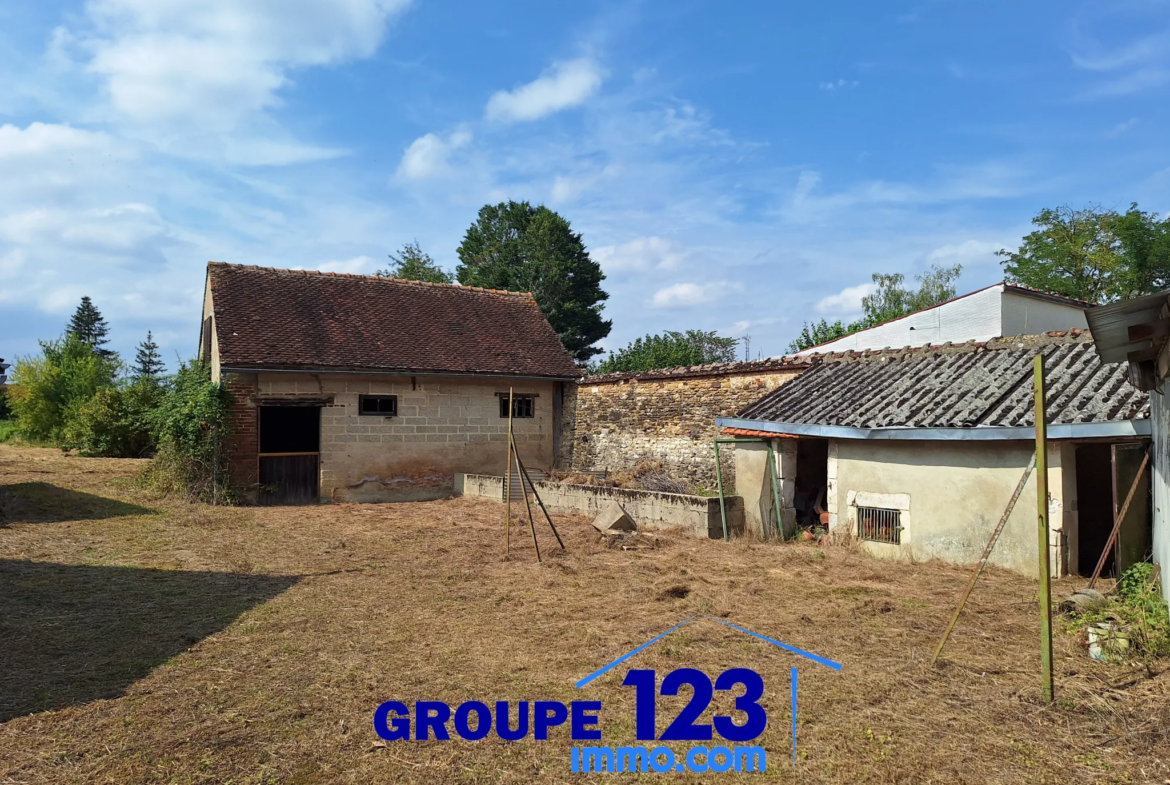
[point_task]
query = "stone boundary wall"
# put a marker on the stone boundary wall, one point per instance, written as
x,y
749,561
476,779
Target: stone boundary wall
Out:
x,y
669,416
650,510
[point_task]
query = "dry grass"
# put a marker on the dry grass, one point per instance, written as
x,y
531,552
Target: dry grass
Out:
x,y
158,641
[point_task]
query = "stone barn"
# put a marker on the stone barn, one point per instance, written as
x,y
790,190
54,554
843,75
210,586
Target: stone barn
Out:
x,y
359,388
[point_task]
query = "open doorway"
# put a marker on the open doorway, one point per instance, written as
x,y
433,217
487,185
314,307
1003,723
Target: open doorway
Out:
x,y
290,453
1105,474
1094,506
812,480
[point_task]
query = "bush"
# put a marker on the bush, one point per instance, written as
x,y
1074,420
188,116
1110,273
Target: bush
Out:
x,y
117,422
192,423
51,387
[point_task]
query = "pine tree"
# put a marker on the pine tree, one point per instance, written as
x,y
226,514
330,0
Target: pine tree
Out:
x,y
90,327
148,362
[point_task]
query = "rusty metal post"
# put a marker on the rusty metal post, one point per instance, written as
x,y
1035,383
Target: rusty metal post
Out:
x,y
1042,530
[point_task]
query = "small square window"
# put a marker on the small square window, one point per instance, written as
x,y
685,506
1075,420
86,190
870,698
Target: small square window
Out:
x,y
522,405
378,405
877,524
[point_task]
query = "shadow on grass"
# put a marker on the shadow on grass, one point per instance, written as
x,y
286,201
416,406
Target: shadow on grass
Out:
x,y
42,502
73,634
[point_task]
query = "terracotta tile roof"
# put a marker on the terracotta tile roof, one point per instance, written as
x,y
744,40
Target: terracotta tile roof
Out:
x,y
308,320
956,386
754,434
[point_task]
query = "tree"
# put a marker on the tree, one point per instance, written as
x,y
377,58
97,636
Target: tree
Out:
x,y
148,363
670,350
1075,253
890,300
49,389
90,327
1145,250
815,333
513,245
413,264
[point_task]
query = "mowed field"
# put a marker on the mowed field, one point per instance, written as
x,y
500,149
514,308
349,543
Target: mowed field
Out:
x,y
146,640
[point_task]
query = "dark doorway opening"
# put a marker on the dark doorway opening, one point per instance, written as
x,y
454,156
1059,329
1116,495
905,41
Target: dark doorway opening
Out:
x,y
1094,506
812,481
290,453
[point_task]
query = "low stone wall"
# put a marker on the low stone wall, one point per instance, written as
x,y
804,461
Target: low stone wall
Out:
x,y
649,509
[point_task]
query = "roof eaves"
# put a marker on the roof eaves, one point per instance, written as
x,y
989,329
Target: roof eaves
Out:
x,y
1077,430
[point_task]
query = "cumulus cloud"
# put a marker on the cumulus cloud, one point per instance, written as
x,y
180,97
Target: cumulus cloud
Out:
x,y
213,62
682,295
429,156
845,302
564,86
644,253
358,265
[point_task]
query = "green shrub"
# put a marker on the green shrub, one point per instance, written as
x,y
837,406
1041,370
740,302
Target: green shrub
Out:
x,y
117,422
192,423
50,387
7,431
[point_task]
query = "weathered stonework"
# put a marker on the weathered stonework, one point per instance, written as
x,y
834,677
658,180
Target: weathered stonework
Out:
x,y
669,416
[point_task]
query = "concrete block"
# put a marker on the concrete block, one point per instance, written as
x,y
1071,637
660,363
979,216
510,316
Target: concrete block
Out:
x,y
436,437
614,518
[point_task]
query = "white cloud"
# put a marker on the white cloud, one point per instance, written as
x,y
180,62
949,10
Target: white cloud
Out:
x,y
213,61
1122,128
429,156
568,188
682,295
968,253
642,254
840,84
566,85
358,265
845,302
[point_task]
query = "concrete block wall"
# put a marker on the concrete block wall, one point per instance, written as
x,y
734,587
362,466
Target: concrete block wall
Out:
x,y
444,425
650,510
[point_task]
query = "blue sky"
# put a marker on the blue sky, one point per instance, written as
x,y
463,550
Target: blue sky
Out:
x,y
733,166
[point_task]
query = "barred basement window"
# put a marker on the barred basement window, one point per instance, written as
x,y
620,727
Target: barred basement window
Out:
x,y
378,405
522,405
877,524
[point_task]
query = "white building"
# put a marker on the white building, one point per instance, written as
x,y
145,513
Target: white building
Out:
x,y
998,311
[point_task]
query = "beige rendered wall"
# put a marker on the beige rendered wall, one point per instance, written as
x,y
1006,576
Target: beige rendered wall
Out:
x,y
444,425
954,494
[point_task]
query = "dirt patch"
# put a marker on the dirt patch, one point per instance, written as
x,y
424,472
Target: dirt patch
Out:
x,y
252,645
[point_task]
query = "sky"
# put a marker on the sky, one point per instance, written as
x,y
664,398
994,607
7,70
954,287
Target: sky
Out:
x,y
739,167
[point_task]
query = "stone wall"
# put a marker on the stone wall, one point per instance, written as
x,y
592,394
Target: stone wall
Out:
x,y
669,415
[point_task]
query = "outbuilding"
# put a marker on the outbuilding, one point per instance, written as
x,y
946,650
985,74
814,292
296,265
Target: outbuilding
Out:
x,y
362,388
917,451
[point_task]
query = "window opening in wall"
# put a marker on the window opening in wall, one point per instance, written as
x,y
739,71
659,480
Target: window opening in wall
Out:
x,y
378,405
522,405
878,524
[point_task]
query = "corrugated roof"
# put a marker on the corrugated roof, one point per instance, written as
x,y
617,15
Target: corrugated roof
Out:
x,y
964,386
1110,324
307,320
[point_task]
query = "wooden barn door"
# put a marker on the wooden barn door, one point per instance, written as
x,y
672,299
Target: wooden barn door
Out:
x,y
290,454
